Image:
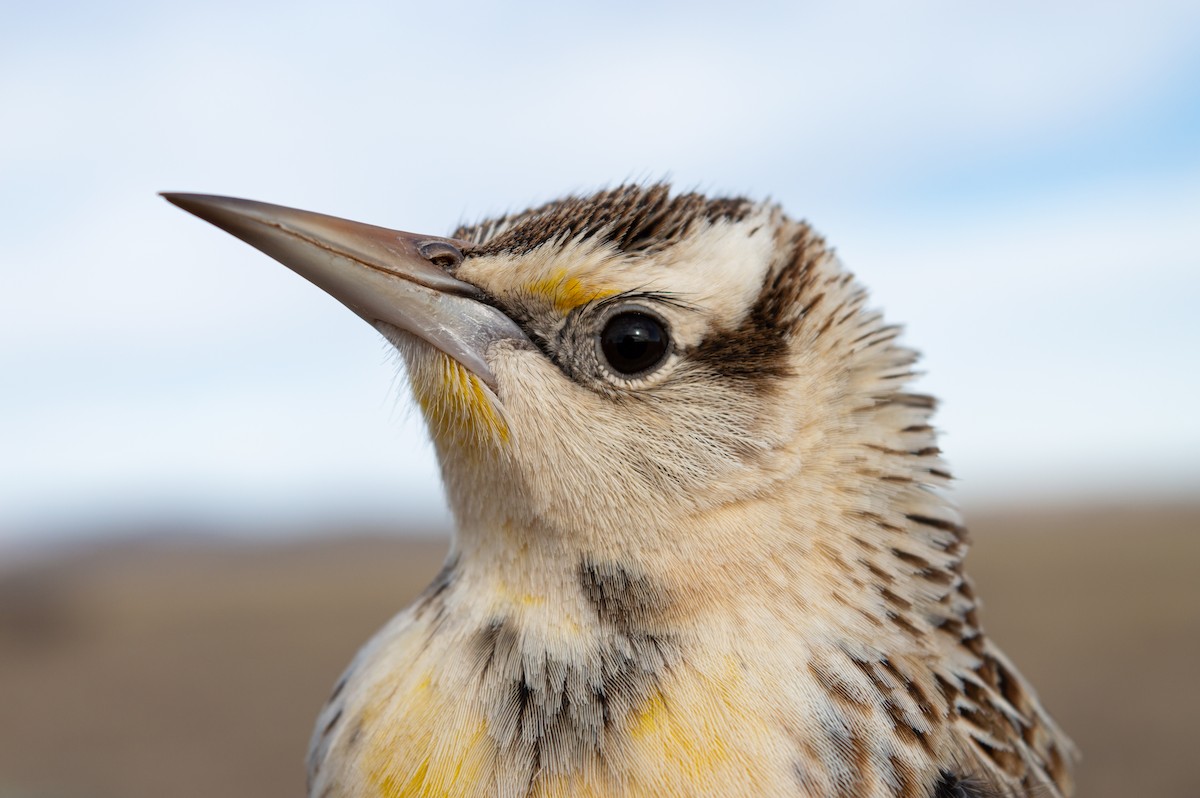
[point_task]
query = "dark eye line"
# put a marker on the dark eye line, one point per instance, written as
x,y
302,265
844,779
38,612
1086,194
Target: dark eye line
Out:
x,y
548,348
522,320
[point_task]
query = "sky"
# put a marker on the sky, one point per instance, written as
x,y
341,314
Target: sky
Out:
x,y
1018,184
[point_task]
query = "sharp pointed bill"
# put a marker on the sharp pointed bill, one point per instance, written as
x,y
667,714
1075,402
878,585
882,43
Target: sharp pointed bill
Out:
x,y
387,277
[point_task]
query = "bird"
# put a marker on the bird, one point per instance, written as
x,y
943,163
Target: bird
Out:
x,y
704,543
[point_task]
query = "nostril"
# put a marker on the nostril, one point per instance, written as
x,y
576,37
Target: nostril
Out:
x,y
441,253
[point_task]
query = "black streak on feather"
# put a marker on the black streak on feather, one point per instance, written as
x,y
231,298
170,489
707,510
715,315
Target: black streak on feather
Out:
x,y
630,218
622,599
556,713
755,354
952,786
433,599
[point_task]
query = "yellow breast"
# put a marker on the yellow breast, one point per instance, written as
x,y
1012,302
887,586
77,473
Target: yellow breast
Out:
x,y
694,737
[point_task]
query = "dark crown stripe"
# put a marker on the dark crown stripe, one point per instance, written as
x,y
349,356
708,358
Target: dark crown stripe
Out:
x,y
632,218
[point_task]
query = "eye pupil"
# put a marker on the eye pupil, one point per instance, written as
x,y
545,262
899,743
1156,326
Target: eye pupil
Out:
x,y
633,342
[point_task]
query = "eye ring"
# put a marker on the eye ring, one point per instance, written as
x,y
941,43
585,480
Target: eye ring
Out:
x,y
633,342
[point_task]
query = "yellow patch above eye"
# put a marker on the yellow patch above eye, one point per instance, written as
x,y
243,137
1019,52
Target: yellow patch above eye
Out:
x,y
566,293
456,404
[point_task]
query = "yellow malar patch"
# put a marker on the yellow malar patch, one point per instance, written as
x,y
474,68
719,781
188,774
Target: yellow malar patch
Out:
x,y
456,404
565,292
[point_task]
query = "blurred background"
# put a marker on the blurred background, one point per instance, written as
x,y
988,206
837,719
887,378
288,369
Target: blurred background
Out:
x,y
212,487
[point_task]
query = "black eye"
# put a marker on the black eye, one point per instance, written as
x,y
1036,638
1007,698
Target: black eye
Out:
x,y
633,342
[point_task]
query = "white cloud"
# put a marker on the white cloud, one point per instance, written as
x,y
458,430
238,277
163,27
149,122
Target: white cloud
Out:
x,y
138,348
1057,332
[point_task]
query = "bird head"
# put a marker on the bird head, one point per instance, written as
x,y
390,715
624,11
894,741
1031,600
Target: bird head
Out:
x,y
653,376
689,483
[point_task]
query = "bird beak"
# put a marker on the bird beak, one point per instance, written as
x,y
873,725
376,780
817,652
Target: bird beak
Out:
x,y
387,277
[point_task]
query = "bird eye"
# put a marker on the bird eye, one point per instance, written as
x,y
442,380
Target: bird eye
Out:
x,y
633,343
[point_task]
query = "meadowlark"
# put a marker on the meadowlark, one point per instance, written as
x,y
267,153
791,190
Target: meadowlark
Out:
x,y
702,545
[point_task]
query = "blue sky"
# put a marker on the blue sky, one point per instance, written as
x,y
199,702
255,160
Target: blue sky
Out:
x,y
1019,185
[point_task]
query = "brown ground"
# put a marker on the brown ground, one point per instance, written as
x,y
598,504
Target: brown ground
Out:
x,y
194,670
